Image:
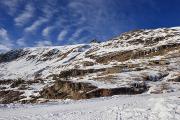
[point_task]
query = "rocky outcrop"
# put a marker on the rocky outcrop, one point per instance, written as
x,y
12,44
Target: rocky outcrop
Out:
x,y
136,54
77,72
10,96
12,55
131,90
156,77
5,82
66,89
79,90
16,83
175,79
159,62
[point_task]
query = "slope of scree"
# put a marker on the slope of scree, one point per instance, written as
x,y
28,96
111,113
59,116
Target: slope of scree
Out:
x,y
141,61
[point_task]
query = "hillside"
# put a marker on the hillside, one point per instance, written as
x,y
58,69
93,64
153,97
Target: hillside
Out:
x,y
136,62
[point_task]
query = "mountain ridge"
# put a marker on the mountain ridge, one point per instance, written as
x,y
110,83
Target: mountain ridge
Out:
x,y
132,63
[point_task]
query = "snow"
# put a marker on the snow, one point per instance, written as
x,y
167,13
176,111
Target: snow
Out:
x,y
76,54
148,106
26,69
126,107
176,28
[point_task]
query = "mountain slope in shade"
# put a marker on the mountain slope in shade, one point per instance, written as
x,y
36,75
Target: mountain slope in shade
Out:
x,y
141,61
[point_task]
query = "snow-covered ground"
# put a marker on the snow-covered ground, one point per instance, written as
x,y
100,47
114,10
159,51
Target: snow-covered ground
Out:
x,y
136,107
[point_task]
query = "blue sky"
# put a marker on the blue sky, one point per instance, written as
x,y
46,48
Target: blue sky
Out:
x,y
28,23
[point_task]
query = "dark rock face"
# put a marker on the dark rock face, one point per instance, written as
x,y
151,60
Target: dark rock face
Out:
x,y
159,62
19,86
155,78
66,89
95,41
176,79
87,63
12,55
131,90
79,90
10,96
5,82
16,83
123,56
77,72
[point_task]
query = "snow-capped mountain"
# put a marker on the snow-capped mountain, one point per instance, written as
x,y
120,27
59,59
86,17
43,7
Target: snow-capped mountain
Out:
x,y
141,61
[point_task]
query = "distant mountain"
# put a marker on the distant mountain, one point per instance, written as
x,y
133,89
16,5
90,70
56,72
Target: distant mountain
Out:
x,y
141,61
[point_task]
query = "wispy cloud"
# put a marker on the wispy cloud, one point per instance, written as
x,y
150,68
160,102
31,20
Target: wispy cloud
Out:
x,y
25,16
62,35
4,48
76,34
48,9
72,21
100,19
11,5
36,25
21,42
46,31
5,42
43,43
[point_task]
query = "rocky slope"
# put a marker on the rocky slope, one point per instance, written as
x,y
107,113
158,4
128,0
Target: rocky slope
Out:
x,y
141,61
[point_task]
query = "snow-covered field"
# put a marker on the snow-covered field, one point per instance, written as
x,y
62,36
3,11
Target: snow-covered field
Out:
x,y
137,107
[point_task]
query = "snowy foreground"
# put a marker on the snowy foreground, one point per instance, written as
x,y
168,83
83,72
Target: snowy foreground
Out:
x,y
137,107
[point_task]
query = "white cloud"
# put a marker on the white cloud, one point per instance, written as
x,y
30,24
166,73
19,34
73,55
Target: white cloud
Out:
x,y
4,48
25,16
21,42
3,35
5,42
36,24
76,34
75,4
47,31
43,43
11,5
49,9
62,35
